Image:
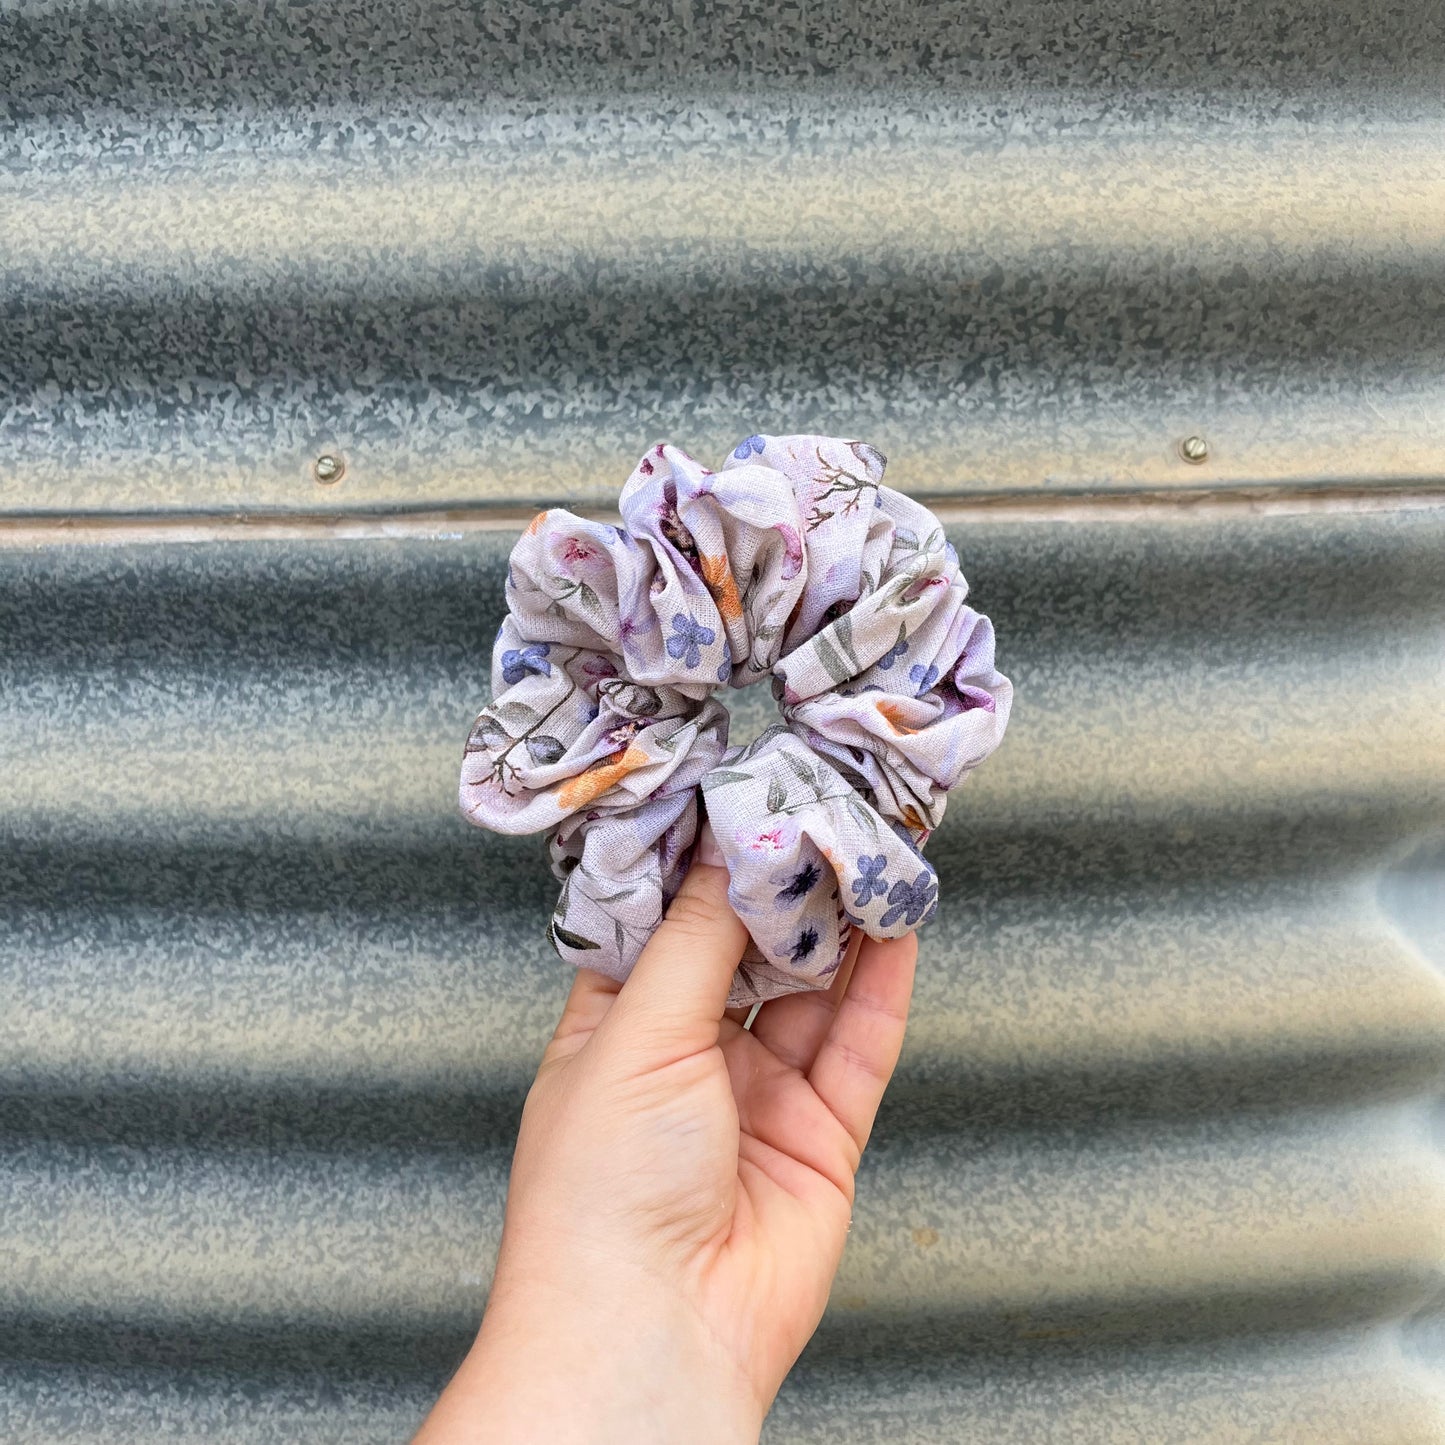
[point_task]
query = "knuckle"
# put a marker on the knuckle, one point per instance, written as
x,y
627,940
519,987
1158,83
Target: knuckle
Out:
x,y
880,1010
692,913
863,1062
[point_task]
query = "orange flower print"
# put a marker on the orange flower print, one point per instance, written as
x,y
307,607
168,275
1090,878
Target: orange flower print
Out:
x,y
894,715
724,588
585,787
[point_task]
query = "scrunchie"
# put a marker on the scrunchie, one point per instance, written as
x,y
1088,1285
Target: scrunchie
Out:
x,y
794,562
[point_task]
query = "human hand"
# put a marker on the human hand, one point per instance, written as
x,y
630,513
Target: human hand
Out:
x,y
680,1194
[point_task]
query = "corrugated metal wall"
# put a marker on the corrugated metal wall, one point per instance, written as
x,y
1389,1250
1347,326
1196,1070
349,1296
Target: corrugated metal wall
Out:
x,y
1161,1164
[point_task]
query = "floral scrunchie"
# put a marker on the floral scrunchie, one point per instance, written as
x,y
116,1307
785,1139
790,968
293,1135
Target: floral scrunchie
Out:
x,y
793,562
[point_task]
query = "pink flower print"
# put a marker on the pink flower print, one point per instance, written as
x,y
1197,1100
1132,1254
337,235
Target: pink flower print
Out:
x,y
916,589
777,838
645,467
598,667
578,552
793,551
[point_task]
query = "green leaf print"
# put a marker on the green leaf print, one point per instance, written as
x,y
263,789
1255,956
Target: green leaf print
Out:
x,y
560,935
721,777
802,769
843,629
834,665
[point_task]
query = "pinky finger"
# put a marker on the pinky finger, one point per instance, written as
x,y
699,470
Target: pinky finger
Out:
x,y
859,1053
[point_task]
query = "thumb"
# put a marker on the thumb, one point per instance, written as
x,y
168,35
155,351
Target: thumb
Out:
x,y
672,1001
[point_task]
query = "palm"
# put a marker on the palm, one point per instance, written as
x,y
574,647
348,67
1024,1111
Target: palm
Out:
x,y
696,1175
794,1198
736,1149
780,1114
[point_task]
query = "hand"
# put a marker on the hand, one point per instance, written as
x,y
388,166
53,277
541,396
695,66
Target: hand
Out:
x,y
680,1194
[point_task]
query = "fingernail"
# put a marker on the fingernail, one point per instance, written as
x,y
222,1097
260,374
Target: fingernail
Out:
x,y
707,849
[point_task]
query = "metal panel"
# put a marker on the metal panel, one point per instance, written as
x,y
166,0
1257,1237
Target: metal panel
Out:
x,y
489,251
1161,1163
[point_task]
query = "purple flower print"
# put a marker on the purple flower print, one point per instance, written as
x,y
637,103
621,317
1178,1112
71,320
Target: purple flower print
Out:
x,y
799,885
870,879
899,649
688,636
518,662
725,667
631,628
749,446
922,677
911,901
807,942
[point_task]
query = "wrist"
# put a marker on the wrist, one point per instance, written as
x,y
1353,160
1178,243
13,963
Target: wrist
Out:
x,y
639,1370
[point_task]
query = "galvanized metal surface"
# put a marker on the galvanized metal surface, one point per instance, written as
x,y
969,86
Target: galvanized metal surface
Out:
x,y
1162,1160
1159,1164
487,252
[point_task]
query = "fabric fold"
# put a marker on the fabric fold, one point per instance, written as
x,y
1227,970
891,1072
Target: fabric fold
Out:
x,y
794,562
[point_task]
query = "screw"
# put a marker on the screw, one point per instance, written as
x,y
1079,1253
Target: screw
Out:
x,y
1194,449
329,469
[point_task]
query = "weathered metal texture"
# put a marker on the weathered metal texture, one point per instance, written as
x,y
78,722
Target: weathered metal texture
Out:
x,y
487,251
1161,1163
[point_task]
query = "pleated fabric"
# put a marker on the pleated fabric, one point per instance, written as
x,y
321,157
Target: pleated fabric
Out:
x,y
792,562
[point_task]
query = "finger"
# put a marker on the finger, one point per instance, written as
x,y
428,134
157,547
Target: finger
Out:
x,y
793,1027
671,1004
587,1003
860,1051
